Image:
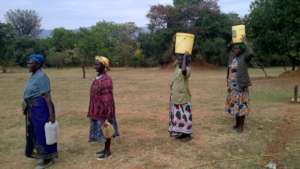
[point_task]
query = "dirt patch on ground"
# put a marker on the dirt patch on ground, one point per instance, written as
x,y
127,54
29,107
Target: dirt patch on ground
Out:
x,y
282,135
292,74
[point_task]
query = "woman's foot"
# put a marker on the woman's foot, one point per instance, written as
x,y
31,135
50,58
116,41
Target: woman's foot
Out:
x,y
240,126
235,127
237,123
242,121
42,164
100,152
104,156
173,134
184,136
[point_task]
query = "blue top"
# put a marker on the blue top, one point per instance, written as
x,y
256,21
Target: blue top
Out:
x,y
37,85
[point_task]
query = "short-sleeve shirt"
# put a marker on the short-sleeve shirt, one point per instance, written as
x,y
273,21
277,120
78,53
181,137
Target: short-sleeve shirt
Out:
x,y
180,92
37,85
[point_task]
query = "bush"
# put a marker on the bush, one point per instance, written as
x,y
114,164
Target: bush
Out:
x,y
55,59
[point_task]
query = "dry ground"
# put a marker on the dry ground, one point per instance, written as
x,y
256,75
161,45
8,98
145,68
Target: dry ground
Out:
x,y
272,129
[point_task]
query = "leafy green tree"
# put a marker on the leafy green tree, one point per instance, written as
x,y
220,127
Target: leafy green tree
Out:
x,y
7,37
115,41
63,39
200,17
274,27
55,59
24,46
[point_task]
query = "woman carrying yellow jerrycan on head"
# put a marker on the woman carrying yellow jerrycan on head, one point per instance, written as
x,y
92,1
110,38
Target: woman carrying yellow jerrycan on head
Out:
x,y
180,108
238,80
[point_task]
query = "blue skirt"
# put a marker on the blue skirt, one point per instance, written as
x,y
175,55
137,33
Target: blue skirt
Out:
x,y
36,118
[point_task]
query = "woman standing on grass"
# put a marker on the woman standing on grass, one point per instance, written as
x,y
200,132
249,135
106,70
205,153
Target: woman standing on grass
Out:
x,y
102,106
180,124
238,81
39,109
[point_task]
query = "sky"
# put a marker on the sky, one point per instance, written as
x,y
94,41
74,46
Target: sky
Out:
x,y
73,14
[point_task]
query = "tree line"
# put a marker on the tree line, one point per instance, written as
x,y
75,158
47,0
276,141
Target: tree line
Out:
x,y
273,30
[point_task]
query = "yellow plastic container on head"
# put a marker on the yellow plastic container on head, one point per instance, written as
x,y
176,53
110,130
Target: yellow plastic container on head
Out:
x,y
184,43
238,33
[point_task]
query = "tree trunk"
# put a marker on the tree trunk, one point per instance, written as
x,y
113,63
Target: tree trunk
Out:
x,y
284,68
4,69
294,61
260,66
293,64
83,71
265,72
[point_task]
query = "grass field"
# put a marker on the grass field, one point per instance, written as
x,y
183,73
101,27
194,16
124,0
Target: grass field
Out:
x,y
272,130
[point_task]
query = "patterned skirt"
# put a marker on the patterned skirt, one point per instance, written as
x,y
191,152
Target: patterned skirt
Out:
x,y
237,103
180,119
96,135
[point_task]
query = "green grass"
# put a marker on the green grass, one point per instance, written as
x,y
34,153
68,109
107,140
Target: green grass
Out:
x,y
269,95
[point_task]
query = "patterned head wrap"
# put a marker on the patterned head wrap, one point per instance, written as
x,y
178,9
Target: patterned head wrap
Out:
x,y
103,60
37,58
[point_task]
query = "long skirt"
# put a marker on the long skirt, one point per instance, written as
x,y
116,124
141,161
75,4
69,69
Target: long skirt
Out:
x,y
36,118
237,103
180,119
96,134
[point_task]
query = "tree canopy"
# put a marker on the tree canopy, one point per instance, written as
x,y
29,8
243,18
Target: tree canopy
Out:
x,y
24,22
274,28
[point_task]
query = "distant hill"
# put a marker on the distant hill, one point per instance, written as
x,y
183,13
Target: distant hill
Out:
x,y
144,29
45,33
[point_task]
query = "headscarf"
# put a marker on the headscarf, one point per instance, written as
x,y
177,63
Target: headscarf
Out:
x,y
37,58
103,60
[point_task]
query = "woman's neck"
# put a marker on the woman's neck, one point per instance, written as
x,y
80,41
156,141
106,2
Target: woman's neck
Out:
x,y
100,73
34,71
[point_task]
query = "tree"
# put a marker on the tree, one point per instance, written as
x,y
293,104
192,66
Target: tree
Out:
x,y
86,47
161,17
200,17
24,46
7,37
63,39
274,27
24,22
115,41
55,58
154,46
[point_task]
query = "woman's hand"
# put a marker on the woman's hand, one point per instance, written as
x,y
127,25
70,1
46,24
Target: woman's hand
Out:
x,y
244,89
52,118
105,124
245,40
24,108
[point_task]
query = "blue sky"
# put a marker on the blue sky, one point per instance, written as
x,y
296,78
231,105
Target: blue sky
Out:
x,y
73,14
